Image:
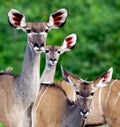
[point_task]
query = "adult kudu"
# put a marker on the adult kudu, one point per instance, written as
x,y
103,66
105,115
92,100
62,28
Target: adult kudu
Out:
x,y
18,92
67,103
105,108
86,89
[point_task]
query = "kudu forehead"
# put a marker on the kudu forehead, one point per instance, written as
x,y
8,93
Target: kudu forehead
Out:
x,y
36,26
53,48
85,88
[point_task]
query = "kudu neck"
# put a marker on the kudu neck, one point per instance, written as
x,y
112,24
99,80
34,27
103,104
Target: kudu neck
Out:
x,y
30,76
31,65
48,74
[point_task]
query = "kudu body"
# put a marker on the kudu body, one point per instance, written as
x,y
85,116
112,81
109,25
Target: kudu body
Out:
x,y
52,56
66,104
54,108
106,106
18,92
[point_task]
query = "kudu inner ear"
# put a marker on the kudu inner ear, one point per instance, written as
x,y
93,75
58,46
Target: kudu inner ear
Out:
x,y
69,42
105,78
57,19
16,19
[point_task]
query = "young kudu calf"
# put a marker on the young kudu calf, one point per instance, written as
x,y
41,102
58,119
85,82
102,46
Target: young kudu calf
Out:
x,y
52,56
66,104
17,93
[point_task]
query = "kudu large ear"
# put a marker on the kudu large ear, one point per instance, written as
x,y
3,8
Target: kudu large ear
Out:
x,y
69,90
68,43
57,19
69,77
16,19
104,79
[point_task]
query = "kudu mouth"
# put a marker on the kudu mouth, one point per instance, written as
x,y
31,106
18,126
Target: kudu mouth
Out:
x,y
52,61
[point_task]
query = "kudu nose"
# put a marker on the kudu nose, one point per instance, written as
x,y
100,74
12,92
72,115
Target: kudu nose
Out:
x,y
85,113
39,47
36,45
42,45
52,59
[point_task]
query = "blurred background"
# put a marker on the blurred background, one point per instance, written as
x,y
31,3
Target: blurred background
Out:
x,y
96,23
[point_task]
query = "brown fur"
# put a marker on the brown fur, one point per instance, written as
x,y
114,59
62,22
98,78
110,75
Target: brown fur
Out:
x,y
55,109
9,101
110,112
85,91
51,107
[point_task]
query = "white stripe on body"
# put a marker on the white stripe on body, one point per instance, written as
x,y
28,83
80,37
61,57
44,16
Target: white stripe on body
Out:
x,y
99,99
116,100
41,96
109,92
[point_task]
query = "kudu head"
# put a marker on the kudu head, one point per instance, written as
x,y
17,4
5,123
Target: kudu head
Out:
x,y
85,90
53,52
36,31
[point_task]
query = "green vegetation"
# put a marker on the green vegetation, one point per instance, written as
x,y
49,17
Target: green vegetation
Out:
x,y
96,23
1,125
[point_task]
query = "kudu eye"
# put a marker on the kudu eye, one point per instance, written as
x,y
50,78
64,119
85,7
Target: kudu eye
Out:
x,y
58,52
47,51
92,94
77,93
28,31
46,30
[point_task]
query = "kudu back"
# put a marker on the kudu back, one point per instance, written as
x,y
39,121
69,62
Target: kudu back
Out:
x,y
18,92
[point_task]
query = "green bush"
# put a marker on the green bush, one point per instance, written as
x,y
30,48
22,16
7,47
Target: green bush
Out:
x,y
96,23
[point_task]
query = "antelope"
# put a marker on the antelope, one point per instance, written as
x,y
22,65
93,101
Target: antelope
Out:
x,y
66,103
18,92
106,106
52,56
86,89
